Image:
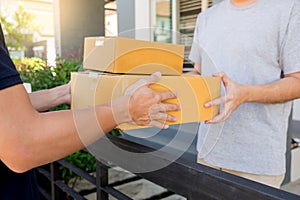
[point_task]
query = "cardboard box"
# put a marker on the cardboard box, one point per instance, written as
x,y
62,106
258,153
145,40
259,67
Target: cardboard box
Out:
x,y
89,89
122,55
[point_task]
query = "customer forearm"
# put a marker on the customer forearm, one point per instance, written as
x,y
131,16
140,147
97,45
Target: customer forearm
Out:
x,y
46,99
285,89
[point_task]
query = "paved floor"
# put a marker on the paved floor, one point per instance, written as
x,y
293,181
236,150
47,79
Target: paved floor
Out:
x,y
143,189
293,187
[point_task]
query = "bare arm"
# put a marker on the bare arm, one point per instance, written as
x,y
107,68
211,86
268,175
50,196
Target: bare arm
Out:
x,y
46,99
283,90
29,139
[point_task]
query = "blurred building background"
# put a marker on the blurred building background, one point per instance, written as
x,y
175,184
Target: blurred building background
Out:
x,y
43,39
63,24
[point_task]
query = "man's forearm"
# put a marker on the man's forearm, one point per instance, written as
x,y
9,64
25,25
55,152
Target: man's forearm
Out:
x,y
29,138
285,89
46,99
39,138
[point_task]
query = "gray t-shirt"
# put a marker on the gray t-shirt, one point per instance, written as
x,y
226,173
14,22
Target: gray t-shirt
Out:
x,y
252,45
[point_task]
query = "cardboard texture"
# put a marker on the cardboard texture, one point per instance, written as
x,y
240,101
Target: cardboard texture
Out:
x,y
122,55
89,89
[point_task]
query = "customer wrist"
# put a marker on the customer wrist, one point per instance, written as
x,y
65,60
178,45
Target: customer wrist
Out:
x,y
60,94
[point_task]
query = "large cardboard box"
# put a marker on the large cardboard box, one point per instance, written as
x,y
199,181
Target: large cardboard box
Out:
x,y
89,89
122,55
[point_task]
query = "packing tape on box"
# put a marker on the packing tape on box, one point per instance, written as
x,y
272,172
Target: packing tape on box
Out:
x,y
94,77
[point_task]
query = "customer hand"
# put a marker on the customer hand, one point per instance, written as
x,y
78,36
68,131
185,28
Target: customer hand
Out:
x,y
67,93
235,96
44,100
146,106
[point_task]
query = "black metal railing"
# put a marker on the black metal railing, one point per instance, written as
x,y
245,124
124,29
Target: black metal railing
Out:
x,y
183,176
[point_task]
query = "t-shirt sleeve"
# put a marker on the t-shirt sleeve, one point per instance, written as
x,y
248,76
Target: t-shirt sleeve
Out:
x,y
195,54
9,76
290,53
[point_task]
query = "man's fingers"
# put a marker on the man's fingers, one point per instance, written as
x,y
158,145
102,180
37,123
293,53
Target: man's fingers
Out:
x,y
219,74
162,107
216,102
224,114
163,117
159,124
153,78
167,95
219,118
171,107
132,88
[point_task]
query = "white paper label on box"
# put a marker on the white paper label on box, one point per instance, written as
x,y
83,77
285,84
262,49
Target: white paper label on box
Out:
x,y
99,42
94,83
93,75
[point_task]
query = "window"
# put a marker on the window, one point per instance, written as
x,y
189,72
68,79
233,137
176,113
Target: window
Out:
x,y
189,10
162,20
111,18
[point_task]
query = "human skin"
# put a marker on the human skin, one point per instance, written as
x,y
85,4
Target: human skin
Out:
x,y
241,3
29,139
46,99
285,89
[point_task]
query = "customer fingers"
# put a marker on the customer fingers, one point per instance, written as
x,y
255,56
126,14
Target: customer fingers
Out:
x,y
216,102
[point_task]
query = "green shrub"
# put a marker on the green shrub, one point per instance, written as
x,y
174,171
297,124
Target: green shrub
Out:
x,y
41,76
35,72
82,160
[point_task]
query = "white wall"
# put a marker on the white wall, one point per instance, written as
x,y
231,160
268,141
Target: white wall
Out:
x,y
143,20
296,111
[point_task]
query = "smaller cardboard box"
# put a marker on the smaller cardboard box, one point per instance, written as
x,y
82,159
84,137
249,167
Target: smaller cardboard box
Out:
x,y
123,55
90,89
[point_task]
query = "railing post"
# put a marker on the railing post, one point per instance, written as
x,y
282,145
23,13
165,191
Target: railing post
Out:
x,y
101,180
55,175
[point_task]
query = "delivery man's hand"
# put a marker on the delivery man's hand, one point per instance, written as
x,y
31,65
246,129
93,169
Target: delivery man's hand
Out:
x,y
146,106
